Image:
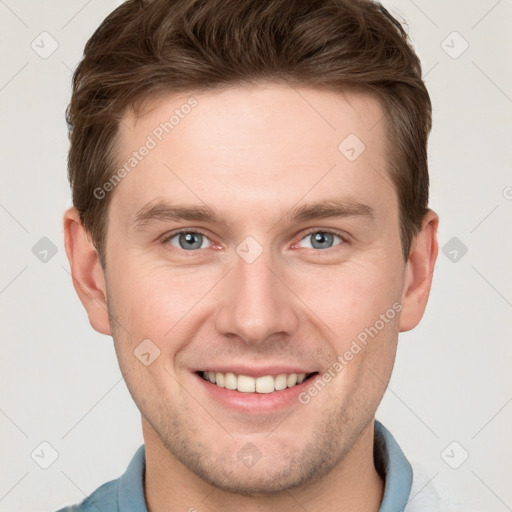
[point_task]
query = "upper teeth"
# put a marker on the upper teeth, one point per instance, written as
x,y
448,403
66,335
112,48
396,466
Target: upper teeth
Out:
x,y
246,384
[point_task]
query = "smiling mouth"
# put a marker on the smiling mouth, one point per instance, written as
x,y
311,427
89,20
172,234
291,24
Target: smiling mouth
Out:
x,y
247,384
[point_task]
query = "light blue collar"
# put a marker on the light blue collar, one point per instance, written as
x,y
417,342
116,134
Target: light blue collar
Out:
x,y
396,468
130,495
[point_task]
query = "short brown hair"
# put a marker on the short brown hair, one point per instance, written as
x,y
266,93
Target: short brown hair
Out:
x,y
147,48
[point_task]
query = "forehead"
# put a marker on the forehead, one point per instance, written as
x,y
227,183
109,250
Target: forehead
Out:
x,y
217,113
249,145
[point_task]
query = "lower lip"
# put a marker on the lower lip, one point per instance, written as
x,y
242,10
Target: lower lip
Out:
x,y
256,402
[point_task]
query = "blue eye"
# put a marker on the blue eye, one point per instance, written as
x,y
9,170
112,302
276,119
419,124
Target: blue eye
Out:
x,y
191,241
322,239
188,240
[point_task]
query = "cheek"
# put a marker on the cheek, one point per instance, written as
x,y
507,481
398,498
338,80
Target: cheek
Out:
x,y
349,298
154,300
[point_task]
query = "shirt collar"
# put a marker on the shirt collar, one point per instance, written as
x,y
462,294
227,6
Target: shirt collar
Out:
x,y
397,474
130,496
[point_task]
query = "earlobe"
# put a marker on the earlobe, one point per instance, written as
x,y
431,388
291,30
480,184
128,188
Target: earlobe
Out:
x,y
419,272
86,271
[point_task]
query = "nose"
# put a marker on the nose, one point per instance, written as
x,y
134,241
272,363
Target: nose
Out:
x,y
256,302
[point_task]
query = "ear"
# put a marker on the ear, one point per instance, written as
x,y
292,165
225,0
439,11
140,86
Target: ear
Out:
x,y
418,272
86,271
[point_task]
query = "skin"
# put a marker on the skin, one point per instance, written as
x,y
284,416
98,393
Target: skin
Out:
x,y
257,151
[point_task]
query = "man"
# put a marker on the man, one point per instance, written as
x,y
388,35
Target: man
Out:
x,y
250,225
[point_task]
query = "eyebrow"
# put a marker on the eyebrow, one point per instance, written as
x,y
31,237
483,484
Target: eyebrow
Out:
x,y
330,208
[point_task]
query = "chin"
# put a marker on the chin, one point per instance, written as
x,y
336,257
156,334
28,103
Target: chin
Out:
x,y
252,482
272,475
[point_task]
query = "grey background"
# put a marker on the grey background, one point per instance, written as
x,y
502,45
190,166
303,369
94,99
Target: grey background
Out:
x,y
60,382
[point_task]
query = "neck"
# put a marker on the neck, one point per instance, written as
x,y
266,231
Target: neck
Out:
x,y
352,485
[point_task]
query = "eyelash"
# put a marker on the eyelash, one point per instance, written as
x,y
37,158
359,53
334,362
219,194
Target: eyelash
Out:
x,y
169,237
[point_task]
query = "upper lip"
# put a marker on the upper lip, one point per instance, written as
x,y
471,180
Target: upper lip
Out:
x,y
255,371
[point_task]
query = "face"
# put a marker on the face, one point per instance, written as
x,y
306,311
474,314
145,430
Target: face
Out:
x,y
298,257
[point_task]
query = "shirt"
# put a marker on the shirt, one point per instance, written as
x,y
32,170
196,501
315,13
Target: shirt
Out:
x,y
126,493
